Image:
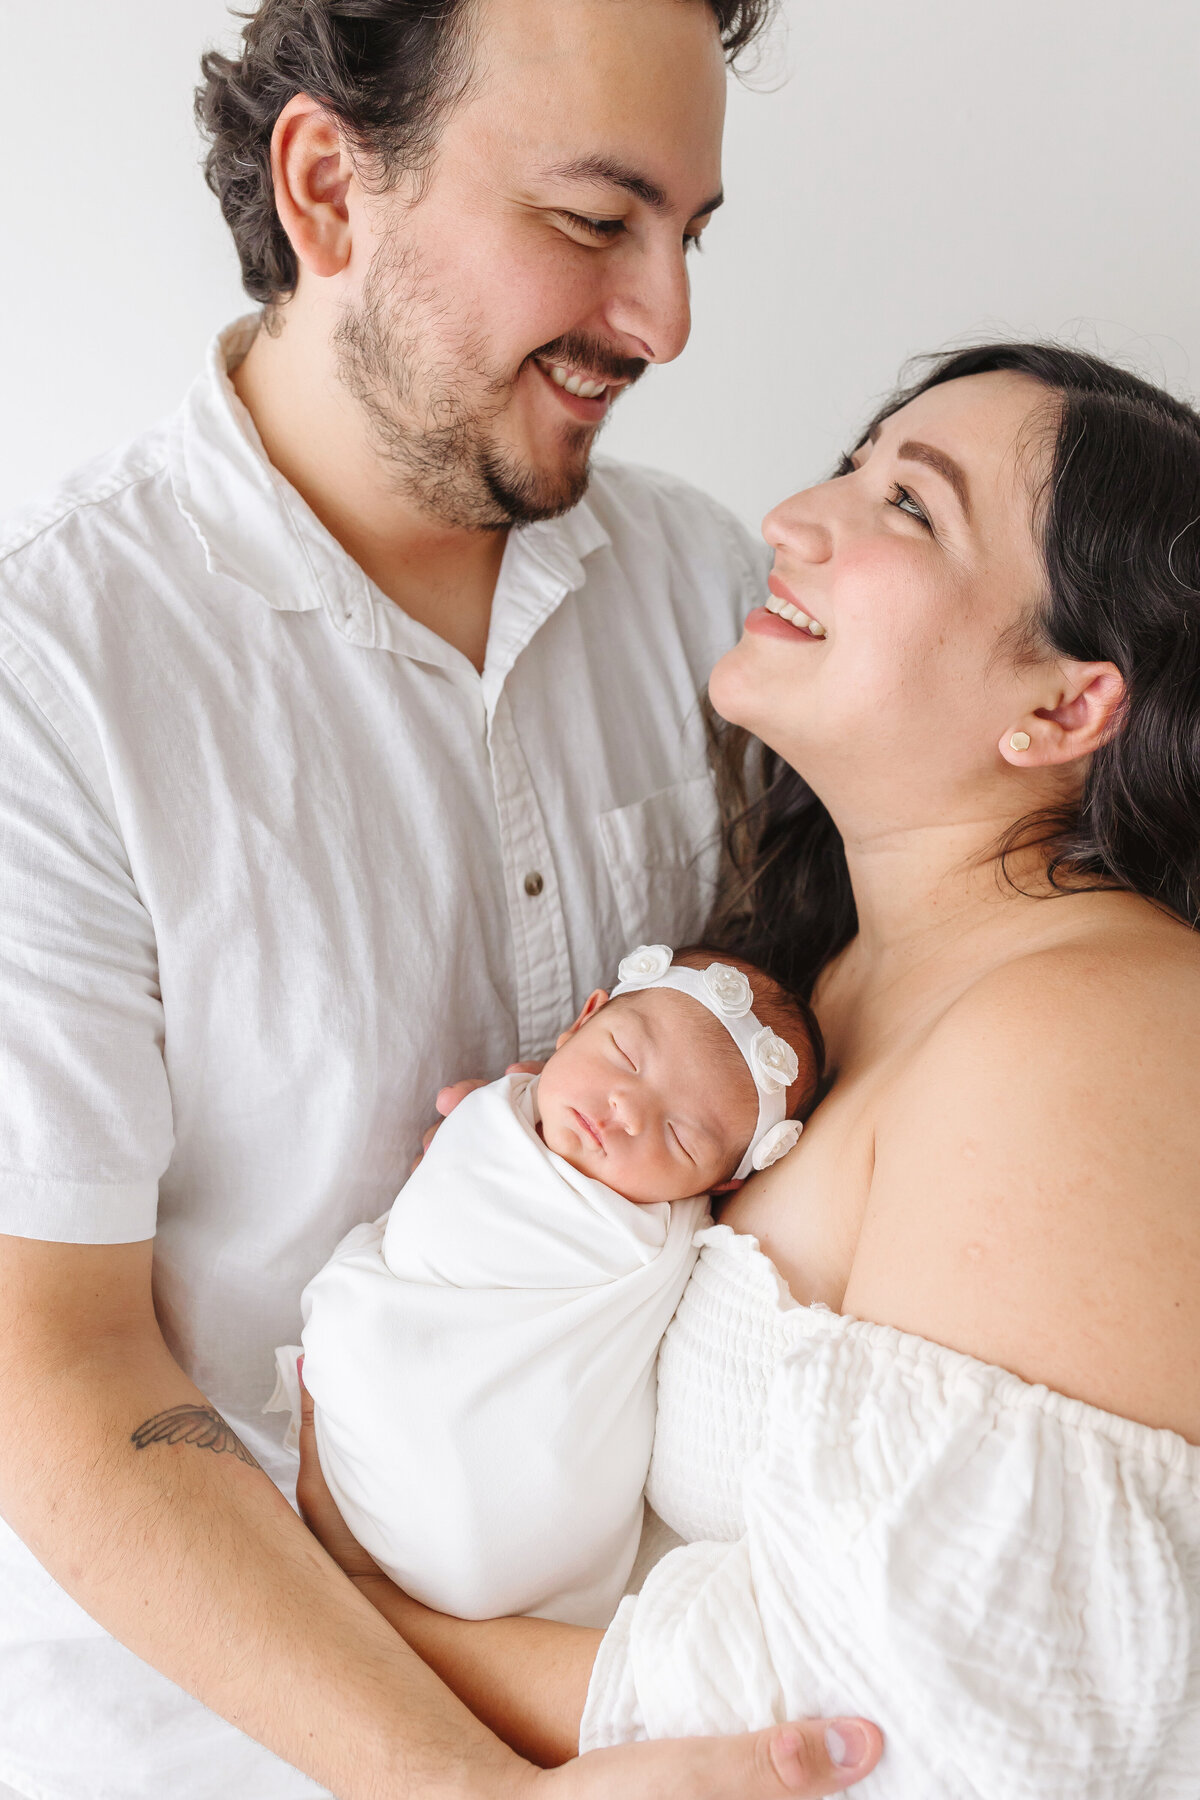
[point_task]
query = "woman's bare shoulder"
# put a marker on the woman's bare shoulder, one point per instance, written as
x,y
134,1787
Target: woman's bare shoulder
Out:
x,y
1119,942
1120,978
1034,1200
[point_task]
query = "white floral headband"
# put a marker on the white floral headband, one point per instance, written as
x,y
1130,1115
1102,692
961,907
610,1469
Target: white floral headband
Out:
x,y
727,994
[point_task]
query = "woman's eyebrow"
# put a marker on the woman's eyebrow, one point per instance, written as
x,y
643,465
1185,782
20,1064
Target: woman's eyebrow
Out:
x,y
607,173
943,465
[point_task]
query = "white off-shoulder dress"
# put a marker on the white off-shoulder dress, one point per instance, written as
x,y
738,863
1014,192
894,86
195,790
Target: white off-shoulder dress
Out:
x,y
1007,1580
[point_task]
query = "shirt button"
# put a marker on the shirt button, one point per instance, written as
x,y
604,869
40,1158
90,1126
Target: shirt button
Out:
x,y
534,885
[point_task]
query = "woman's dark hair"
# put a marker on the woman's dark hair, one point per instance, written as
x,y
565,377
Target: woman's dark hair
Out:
x,y
388,70
1118,527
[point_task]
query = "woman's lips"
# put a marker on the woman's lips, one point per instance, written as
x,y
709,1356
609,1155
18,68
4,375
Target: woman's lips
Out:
x,y
784,602
761,623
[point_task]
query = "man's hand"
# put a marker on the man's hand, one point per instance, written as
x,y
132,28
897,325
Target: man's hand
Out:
x,y
528,1680
318,1508
786,1762
449,1097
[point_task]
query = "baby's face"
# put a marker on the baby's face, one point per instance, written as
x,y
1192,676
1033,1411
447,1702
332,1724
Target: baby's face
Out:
x,y
650,1095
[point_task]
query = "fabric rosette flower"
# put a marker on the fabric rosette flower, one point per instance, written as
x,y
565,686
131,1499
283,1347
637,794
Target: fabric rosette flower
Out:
x,y
649,962
776,1143
729,990
774,1063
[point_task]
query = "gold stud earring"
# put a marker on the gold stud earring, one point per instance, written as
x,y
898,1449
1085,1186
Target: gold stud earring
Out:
x,y
1019,740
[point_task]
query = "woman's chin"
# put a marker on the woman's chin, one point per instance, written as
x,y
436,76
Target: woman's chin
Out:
x,y
735,688
727,689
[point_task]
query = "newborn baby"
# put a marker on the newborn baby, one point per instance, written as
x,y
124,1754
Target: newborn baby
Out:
x,y
481,1359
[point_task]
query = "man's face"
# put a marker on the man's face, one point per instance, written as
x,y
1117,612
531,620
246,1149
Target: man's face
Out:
x,y
544,252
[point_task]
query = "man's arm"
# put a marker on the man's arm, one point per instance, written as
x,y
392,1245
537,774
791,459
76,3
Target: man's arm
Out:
x,y
144,1506
529,1679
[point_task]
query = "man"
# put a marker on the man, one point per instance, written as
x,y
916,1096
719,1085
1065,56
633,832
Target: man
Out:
x,y
322,782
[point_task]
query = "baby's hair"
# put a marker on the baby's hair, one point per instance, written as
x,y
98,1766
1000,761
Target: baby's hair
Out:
x,y
780,1008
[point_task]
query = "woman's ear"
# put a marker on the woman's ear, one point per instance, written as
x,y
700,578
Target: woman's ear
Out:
x,y
1089,699
591,1007
312,171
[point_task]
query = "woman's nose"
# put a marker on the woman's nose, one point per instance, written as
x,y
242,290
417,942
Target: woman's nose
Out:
x,y
791,527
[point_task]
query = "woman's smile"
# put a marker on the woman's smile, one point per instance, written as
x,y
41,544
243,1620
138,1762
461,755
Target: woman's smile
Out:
x,y
770,621
784,602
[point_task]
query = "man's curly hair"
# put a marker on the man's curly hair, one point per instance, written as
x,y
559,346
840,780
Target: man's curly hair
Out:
x,y
388,70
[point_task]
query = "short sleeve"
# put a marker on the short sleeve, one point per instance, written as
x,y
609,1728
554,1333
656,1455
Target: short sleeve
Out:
x,y
85,1112
1005,1580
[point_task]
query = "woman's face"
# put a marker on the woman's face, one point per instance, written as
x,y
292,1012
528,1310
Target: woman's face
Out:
x,y
913,565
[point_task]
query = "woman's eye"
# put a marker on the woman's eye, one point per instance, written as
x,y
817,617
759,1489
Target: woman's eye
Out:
x,y
904,502
693,241
847,466
604,230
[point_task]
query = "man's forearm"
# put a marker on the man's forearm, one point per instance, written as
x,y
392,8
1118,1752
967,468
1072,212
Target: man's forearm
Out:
x,y
142,1504
526,1678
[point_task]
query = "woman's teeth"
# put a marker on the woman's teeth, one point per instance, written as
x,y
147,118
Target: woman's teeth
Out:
x,y
576,384
784,609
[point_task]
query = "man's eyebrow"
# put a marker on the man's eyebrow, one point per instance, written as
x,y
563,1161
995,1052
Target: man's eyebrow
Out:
x,y
941,464
608,173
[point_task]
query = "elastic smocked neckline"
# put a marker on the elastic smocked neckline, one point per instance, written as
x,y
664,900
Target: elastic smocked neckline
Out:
x,y
954,1367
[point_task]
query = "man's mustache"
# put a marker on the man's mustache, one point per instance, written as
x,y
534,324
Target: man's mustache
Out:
x,y
575,351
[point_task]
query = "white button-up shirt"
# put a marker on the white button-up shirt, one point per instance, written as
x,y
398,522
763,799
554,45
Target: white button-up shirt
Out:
x,y
276,862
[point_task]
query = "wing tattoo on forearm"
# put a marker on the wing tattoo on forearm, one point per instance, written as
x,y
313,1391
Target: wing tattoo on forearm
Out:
x,y
202,1426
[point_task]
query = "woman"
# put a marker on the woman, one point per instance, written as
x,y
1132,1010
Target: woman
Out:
x,y
936,1456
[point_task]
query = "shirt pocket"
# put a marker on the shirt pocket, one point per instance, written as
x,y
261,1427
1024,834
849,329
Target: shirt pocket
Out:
x,y
662,855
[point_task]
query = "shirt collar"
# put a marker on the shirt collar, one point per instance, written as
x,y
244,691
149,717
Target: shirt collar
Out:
x,y
257,530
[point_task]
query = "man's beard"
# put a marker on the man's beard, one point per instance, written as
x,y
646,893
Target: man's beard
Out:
x,y
433,423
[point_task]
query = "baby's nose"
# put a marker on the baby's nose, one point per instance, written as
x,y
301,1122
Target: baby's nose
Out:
x,y
629,1110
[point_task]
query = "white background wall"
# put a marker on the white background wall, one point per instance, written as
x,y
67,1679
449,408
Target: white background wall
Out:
x,y
905,175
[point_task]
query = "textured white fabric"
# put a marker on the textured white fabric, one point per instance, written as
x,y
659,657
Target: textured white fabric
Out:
x,y
1007,1580
264,843
482,1367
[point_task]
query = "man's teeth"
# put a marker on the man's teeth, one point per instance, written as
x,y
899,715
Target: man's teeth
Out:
x,y
784,609
575,384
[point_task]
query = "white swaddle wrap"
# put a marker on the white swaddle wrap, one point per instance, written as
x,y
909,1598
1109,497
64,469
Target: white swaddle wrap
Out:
x,y
482,1366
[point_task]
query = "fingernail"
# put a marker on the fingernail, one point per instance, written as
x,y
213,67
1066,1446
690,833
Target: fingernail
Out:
x,y
300,1367
847,1744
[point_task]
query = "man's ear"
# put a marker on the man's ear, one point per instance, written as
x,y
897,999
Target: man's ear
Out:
x,y
591,1006
312,171
1088,700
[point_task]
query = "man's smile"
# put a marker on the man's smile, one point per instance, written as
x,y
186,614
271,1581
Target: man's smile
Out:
x,y
587,397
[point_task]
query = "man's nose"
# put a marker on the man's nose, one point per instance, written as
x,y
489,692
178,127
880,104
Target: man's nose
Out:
x,y
650,307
